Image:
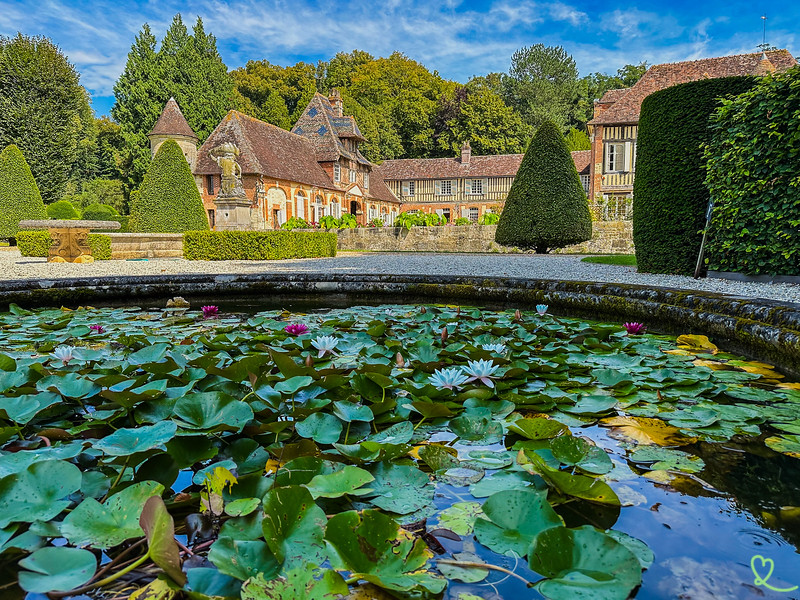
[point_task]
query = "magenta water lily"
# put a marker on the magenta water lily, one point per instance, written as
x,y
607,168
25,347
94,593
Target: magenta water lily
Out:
x,y
97,328
210,312
296,329
635,328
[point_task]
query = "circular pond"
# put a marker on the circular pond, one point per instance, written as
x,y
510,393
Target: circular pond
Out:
x,y
389,451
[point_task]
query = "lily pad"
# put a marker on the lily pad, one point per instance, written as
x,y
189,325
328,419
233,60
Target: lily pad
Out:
x,y
538,428
293,527
243,559
583,564
514,519
55,569
577,452
297,583
212,411
347,481
400,489
460,517
124,442
321,427
579,486
36,494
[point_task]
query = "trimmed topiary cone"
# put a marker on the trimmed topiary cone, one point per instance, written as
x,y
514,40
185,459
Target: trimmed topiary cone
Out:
x,y
168,200
20,199
546,207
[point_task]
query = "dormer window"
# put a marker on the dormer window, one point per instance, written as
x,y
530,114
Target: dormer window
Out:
x,y
352,176
337,172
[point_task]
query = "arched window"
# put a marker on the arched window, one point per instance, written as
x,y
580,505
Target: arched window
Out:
x,y
300,205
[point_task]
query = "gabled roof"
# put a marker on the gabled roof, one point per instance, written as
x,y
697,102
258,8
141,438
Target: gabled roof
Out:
x,y
265,150
498,165
613,95
625,109
172,122
324,127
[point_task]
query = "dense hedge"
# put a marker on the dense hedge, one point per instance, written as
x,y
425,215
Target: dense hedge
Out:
x,y
19,196
546,207
106,212
670,198
168,200
257,245
37,243
62,209
753,174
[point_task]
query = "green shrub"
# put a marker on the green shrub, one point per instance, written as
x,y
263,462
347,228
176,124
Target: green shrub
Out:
x,y
100,212
670,197
419,219
546,207
329,222
168,200
20,199
460,221
37,243
489,218
577,140
376,223
257,245
110,192
296,223
62,209
753,173
347,221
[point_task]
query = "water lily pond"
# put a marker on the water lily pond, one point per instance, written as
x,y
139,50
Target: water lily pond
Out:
x,y
389,452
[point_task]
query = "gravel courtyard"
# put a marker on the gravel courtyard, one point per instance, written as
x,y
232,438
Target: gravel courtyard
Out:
x,y
559,266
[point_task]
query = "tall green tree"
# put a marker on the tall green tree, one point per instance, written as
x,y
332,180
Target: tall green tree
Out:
x,y
19,195
43,110
546,207
187,67
543,85
577,140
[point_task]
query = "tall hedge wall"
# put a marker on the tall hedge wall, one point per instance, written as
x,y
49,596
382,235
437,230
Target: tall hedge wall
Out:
x,y
257,245
753,174
19,196
546,207
168,200
669,194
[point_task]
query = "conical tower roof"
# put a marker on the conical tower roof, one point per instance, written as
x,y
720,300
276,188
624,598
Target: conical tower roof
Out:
x,y
172,122
764,66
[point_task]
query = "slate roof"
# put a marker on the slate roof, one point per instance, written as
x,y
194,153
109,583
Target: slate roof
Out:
x,y
626,108
265,150
498,165
172,122
275,153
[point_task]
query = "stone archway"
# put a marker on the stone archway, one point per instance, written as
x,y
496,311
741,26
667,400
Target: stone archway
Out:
x,y
276,207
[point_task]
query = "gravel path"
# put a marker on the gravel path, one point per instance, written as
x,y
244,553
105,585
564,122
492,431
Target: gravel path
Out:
x,y
560,266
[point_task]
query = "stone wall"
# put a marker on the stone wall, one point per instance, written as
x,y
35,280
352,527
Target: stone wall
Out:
x,y
146,245
608,237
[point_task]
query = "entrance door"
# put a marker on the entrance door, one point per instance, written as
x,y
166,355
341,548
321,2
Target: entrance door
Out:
x,y
276,218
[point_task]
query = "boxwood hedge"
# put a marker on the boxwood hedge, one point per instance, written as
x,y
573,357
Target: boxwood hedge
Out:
x,y
546,207
753,174
168,200
19,196
37,243
62,209
669,194
257,245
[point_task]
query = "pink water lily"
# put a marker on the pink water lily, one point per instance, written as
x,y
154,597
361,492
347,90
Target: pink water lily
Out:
x,y
296,329
635,328
210,312
97,328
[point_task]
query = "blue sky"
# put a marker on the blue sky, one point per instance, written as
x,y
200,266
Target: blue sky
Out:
x,y
457,38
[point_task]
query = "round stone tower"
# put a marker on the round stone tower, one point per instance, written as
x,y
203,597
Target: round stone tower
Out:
x,y
172,125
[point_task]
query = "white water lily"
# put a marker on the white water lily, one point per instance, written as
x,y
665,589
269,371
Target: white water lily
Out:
x,y
481,370
448,379
541,309
499,348
324,344
64,354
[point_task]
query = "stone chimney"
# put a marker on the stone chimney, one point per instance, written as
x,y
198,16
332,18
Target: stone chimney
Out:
x,y
336,102
466,153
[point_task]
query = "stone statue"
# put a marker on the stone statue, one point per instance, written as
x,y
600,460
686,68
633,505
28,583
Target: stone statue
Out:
x,y
225,156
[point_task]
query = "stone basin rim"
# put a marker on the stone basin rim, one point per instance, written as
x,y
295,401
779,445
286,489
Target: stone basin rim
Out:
x,y
68,224
767,330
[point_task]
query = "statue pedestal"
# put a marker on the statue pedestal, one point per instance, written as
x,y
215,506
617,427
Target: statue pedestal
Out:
x,y
232,213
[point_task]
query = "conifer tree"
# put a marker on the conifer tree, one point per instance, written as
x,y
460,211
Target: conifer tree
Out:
x,y
187,67
546,207
19,195
168,201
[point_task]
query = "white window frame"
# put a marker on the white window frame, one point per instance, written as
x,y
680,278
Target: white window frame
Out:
x,y
337,172
412,189
300,205
585,181
476,187
615,159
366,181
353,175
474,213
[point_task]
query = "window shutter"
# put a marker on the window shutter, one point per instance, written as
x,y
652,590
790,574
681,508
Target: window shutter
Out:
x,y
485,189
606,157
281,217
465,213
628,154
468,187
404,192
439,212
438,191
454,186
326,211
